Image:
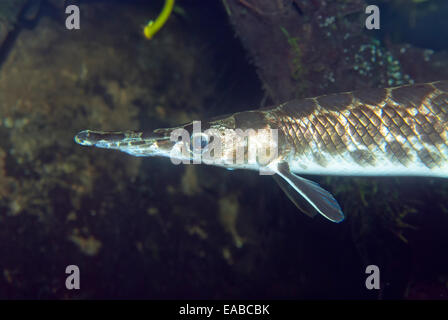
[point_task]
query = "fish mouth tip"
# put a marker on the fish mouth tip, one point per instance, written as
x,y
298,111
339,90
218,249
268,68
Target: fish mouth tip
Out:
x,y
82,138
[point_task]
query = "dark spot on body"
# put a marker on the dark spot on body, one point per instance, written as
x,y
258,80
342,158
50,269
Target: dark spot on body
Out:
x,y
319,159
429,159
363,157
397,153
411,96
370,96
335,102
435,138
299,107
250,120
425,138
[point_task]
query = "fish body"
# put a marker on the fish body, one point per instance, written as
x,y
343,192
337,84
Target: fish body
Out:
x,y
393,131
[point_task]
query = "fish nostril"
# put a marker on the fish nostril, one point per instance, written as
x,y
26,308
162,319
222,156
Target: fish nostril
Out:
x,y
83,135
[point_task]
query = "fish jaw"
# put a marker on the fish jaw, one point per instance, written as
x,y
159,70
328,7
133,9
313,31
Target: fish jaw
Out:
x,y
139,144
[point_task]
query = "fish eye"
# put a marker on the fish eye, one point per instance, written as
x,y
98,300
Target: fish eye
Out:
x,y
199,142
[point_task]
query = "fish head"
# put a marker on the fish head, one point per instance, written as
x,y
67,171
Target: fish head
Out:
x,y
236,141
227,142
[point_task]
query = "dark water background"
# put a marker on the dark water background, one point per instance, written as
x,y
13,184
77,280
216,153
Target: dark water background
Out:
x,y
144,228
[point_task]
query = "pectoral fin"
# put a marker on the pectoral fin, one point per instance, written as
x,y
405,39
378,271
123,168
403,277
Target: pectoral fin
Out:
x,y
294,196
317,200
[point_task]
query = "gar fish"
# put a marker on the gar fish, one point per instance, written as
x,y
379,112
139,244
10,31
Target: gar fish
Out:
x,y
378,132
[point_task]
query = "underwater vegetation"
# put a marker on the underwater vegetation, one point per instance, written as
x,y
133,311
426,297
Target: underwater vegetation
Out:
x,y
153,26
145,228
